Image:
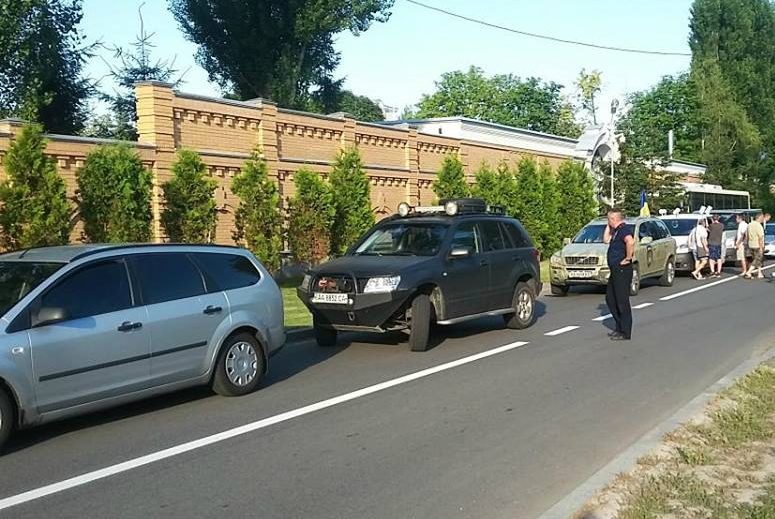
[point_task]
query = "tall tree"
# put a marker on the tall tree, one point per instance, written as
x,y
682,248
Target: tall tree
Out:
x,y
528,203
352,200
503,99
132,66
42,56
550,200
496,187
576,192
278,49
34,210
190,213
589,85
451,179
311,214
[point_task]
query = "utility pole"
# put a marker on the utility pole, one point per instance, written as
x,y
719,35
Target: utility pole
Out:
x,y
611,139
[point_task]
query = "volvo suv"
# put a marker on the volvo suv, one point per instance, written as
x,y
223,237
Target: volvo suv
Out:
x,y
93,326
442,264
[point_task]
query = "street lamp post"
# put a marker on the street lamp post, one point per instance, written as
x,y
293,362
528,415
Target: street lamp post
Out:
x,y
611,137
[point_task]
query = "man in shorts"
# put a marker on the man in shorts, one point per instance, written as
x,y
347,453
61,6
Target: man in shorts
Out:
x,y
741,241
698,242
715,242
756,244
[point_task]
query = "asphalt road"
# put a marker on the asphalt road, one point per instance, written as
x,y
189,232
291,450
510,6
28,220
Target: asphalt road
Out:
x,y
504,434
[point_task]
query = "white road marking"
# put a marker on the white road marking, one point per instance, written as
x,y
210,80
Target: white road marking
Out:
x,y
642,305
708,285
560,331
89,477
603,317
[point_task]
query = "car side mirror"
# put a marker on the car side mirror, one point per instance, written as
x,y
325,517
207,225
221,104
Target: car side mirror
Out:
x,y
462,252
646,240
566,241
50,315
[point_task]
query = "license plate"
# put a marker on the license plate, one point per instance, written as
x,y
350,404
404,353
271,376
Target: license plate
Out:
x,y
334,299
581,274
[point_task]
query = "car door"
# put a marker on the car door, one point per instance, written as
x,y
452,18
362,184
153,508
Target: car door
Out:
x,y
501,256
646,246
664,245
465,280
182,316
101,346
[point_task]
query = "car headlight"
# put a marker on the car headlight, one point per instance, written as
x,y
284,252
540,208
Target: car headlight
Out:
x,y
306,283
555,260
381,284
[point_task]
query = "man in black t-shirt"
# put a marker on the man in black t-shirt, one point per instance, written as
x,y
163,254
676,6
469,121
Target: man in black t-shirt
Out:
x,y
621,248
715,246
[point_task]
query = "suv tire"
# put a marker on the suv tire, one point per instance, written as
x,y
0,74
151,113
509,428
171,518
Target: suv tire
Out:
x,y
240,366
560,290
420,323
523,304
668,276
325,337
635,284
7,416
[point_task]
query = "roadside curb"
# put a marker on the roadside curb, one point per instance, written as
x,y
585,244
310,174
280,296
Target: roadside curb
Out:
x,y
299,335
627,459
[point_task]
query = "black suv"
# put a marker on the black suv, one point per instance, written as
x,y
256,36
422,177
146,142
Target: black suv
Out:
x,y
444,264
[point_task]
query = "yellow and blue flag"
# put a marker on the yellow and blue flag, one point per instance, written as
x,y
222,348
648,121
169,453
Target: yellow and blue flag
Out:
x,y
644,205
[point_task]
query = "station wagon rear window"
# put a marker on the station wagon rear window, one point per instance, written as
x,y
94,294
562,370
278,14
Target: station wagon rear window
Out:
x,y
18,278
680,226
416,239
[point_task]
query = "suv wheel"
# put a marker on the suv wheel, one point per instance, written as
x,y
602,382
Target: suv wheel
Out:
x,y
420,323
668,276
325,337
560,290
523,304
6,418
635,284
240,366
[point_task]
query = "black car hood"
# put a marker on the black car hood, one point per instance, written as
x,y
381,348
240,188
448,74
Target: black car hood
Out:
x,y
368,266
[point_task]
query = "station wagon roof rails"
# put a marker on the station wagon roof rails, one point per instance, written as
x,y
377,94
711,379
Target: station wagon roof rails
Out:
x,y
129,246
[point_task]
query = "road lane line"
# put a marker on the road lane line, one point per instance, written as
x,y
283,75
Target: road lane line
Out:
x,y
708,285
89,477
603,317
560,331
642,305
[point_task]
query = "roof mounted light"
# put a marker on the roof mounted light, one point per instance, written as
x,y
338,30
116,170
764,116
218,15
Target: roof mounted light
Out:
x,y
404,209
451,208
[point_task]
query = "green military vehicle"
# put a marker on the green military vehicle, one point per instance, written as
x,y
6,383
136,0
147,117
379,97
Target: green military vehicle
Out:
x,y
582,261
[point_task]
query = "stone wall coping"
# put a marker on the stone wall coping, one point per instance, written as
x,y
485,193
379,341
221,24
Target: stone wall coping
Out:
x,y
255,104
95,140
375,167
225,154
309,114
383,126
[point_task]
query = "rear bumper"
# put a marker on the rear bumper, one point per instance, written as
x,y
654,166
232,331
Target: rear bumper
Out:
x,y
367,312
684,262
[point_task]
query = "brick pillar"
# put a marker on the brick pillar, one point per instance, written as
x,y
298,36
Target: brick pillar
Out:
x,y
267,137
413,163
348,134
155,125
463,155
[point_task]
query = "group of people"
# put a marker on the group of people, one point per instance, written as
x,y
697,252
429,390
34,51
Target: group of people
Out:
x,y
706,241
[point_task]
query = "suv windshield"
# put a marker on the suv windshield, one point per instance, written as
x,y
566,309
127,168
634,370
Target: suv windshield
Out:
x,y
593,233
18,278
680,226
404,239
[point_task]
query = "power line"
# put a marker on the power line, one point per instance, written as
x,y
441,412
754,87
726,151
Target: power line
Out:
x,y
545,37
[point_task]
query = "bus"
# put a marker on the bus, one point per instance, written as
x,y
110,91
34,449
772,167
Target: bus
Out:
x,y
697,196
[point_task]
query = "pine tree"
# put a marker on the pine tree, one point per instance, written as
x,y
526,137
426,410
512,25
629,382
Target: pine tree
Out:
x,y
528,203
451,179
190,214
485,184
576,193
257,220
34,210
352,200
311,214
551,231
114,196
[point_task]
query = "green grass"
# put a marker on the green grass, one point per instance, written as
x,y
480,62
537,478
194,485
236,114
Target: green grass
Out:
x,y
296,314
545,271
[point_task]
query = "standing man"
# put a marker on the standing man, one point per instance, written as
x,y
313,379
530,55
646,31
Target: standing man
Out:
x,y
741,241
621,248
715,242
701,248
756,245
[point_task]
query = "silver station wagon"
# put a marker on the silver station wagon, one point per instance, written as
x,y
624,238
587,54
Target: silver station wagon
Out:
x,y
92,326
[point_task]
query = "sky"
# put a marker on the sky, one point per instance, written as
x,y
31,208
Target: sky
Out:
x,y
399,61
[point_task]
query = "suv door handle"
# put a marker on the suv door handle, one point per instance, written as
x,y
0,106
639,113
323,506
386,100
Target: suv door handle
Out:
x,y
483,263
212,310
127,326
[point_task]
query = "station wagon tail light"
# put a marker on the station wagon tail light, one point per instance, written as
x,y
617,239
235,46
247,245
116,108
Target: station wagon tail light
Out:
x,y
381,284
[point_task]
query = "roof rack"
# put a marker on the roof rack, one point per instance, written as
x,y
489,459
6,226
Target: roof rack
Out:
x,y
111,248
452,207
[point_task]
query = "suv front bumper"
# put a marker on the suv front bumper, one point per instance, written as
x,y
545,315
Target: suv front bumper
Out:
x,y
365,312
564,276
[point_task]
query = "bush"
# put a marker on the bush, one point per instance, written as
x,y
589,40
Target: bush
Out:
x,y
495,187
114,196
576,193
352,201
190,214
551,232
451,179
34,211
528,201
257,220
311,214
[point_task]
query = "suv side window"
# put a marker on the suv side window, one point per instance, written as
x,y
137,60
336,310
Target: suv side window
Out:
x,y
228,271
646,230
97,288
664,232
467,237
518,240
167,277
491,236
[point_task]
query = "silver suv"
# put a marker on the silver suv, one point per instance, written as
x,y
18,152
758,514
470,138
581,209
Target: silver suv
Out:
x,y
92,326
